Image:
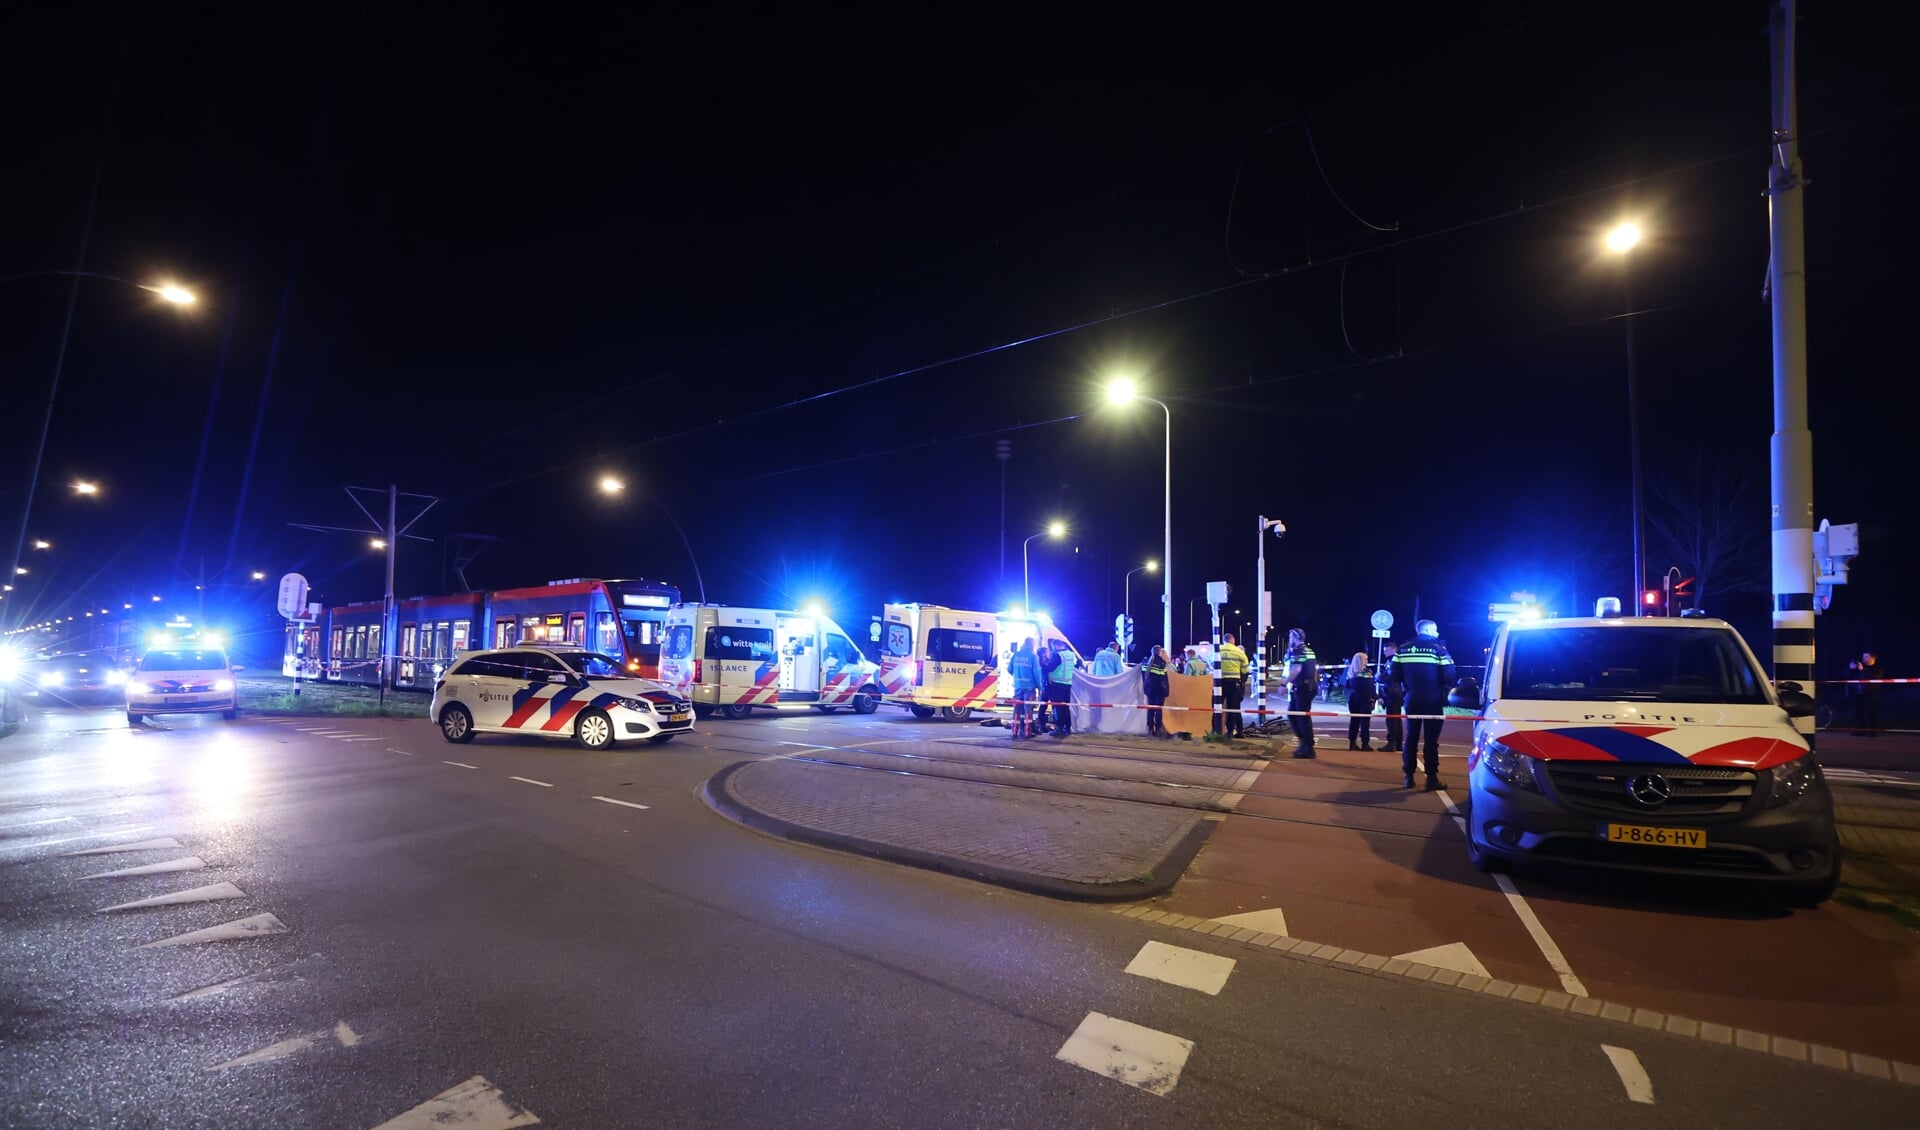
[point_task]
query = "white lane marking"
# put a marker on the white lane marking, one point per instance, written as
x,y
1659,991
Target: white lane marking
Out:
x,y
1269,921
1549,949
34,823
1177,965
1632,1076
143,845
77,839
473,1105
212,892
1139,1057
621,803
190,863
372,739
531,781
1453,955
401,752
345,1035
316,730
460,764
254,926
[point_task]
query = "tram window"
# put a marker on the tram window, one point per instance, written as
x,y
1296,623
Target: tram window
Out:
x,y
443,636
339,643
409,636
606,634
503,632
462,630
426,641
373,642
577,628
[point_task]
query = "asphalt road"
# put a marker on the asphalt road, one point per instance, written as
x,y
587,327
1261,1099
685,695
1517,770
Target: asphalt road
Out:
x,y
485,923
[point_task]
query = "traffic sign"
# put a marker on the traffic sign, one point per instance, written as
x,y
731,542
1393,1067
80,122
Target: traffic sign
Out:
x,y
1521,597
1382,633
1123,630
1382,621
293,596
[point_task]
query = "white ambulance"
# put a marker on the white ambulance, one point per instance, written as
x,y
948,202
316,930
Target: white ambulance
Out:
x,y
731,660
950,661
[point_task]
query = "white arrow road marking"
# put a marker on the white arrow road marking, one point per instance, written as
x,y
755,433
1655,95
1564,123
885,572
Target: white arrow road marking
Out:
x,y
1269,921
1139,1057
345,1035
143,845
1549,949
531,781
621,803
1453,955
255,926
190,863
1177,965
212,892
473,1105
285,972
460,764
34,823
1632,1076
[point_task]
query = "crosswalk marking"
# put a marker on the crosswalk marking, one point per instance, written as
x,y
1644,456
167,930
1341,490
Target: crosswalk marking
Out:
x,y
1453,955
254,926
1177,965
473,1105
190,863
1128,1053
1269,921
340,1032
143,845
212,892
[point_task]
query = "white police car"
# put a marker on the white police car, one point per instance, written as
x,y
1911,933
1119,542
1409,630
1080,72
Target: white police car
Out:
x,y
192,677
1645,745
555,693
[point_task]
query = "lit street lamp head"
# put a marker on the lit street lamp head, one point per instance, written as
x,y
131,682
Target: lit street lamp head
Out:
x,y
611,485
258,575
174,293
1056,529
1623,237
1153,566
84,487
1121,390
39,543
378,543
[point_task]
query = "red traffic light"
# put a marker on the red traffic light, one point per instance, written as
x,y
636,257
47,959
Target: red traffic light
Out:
x,y
1683,588
1651,597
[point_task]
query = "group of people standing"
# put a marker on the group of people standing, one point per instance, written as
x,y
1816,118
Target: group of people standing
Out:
x,y
1412,682
1042,677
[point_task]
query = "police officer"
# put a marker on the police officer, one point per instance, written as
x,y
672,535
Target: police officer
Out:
x,y
1233,682
1303,679
1423,666
1153,680
1391,694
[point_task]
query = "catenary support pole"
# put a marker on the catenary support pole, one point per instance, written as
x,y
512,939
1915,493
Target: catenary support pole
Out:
x,y
1793,639
386,608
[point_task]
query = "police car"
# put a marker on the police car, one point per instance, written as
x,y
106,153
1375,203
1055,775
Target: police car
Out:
x,y
1648,744
555,693
188,677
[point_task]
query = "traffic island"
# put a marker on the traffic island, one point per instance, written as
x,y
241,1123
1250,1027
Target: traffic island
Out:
x,y
1060,845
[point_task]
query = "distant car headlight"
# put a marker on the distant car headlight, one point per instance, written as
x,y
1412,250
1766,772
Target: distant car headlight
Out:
x,y
223,685
53,679
140,688
1792,780
1511,766
115,678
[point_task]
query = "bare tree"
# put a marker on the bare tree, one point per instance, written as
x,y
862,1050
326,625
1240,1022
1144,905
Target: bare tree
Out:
x,y
1713,521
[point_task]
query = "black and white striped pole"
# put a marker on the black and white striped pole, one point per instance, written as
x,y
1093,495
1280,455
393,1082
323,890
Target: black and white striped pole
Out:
x,y
1793,611
1217,595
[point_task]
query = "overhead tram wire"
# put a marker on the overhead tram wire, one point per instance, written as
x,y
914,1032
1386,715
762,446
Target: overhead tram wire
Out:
x,y
1180,300
1245,142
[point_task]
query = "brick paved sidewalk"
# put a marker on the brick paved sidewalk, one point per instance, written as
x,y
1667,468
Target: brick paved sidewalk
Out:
x,y
1049,843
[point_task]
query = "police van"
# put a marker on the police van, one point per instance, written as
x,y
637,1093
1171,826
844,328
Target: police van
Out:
x,y
731,660
952,662
1645,744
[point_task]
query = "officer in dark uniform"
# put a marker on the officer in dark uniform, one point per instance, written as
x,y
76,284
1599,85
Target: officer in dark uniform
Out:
x,y
1392,694
1153,678
1425,668
1303,680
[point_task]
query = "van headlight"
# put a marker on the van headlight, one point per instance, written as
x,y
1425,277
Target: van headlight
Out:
x,y
223,685
1792,780
1511,766
140,688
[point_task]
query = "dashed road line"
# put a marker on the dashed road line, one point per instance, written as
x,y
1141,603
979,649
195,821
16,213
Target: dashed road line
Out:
x,y
460,764
621,803
1178,965
531,781
212,892
1128,1053
475,1104
374,738
253,926
1632,1076
401,752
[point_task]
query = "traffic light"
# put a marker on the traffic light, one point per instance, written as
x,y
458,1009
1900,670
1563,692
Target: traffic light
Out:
x,y
1650,598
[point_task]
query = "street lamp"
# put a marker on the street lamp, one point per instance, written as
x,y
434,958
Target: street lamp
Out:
x,y
258,575
1122,391
1126,599
1056,530
39,543
1620,240
84,487
174,293
378,543
611,485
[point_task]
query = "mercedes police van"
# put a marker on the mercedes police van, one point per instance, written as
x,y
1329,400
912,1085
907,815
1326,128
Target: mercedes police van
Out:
x,y
1648,744
732,660
951,661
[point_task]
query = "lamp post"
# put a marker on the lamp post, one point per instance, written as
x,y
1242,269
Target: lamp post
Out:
x,y
1126,599
1620,240
1122,391
1053,530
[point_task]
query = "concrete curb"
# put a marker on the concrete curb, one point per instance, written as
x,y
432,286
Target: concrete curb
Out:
x,y
1379,965
1165,873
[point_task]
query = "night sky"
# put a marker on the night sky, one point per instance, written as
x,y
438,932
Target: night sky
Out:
x,y
778,288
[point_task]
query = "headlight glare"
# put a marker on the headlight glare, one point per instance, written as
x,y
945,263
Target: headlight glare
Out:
x,y
223,685
115,678
52,679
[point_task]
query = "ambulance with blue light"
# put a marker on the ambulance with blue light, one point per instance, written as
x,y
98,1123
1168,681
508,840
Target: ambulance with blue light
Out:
x,y
1645,744
951,661
731,661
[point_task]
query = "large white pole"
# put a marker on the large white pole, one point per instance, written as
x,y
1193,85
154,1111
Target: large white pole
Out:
x,y
1793,647
1166,549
